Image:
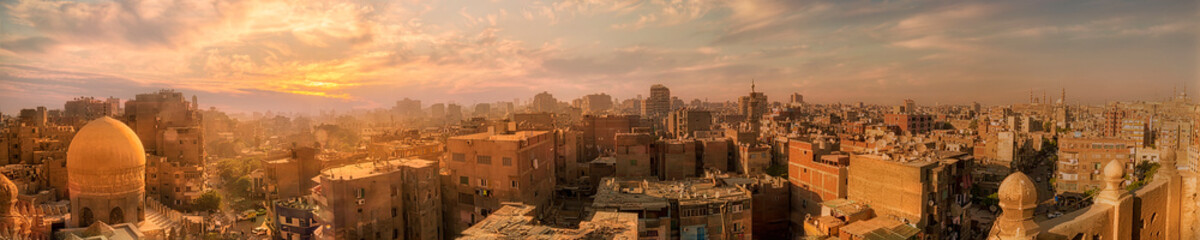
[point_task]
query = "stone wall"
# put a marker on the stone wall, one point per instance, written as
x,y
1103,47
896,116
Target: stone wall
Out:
x,y
1163,209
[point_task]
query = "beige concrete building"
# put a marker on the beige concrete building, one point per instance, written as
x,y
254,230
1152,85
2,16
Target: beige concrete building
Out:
x,y
658,104
170,126
635,155
771,196
34,140
83,109
596,103
290,175
715,153
599,132
483,170
922,191
396,199
544,102
753,158
678,159
1080,161
685,122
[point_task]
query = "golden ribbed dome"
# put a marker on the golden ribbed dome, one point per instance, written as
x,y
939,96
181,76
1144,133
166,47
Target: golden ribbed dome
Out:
x,y
105,144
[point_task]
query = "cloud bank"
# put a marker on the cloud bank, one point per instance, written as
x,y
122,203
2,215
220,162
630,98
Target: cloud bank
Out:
x,y
262,55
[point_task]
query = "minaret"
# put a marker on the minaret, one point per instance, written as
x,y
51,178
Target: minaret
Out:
x,y
1063,99
751,85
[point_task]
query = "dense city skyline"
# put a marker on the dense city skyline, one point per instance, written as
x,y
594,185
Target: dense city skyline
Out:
x,y
599,119
309,56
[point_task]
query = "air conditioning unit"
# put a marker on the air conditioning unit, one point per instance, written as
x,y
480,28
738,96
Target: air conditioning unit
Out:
x,y
361,201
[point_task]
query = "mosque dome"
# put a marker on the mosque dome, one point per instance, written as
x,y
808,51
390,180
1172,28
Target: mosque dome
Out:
x,y
106,157
1017,190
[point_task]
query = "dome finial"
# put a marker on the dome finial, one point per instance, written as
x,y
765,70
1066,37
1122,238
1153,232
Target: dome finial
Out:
x,y
8,195
1018,200
1114,173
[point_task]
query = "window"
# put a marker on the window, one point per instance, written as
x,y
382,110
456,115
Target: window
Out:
x,y
482,182
507,161
362,193
483,160
464,180
514,184
632,162
458,157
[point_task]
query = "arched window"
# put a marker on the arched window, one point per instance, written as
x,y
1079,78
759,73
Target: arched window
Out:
x,y
116,216
85,217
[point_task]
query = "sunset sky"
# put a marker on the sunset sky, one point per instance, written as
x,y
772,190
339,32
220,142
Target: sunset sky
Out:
x,y
306,56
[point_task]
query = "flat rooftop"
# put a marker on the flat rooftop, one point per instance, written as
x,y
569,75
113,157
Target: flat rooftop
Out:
x,y
513,136
371,169
881,228
516,221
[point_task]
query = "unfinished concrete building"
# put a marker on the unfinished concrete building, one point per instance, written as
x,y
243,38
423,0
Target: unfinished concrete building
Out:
x,y
483,170
678,159
684,123
636,155
396,199
920,190
684,209
170,126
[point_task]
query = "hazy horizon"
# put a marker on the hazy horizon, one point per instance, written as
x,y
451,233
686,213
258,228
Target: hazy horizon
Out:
x,y
301,56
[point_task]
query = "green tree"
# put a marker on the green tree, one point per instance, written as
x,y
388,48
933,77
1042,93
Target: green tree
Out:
x,y
209,201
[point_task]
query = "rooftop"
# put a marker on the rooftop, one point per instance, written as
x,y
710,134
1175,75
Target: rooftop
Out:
x,y
374,168
845,207
515,221
297,203
881,229
513,136
641,193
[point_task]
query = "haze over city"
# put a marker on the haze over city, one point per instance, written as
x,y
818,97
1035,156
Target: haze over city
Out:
x,y
598,119
245,56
